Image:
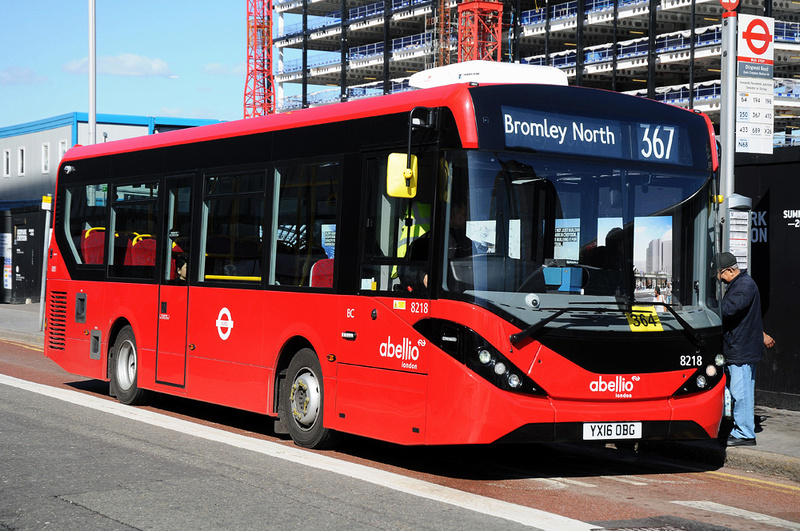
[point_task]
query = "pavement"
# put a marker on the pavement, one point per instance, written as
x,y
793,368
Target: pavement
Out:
x,y
778,434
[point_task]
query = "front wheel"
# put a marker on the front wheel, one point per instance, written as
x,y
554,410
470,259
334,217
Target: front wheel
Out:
x,y
302,400
124,369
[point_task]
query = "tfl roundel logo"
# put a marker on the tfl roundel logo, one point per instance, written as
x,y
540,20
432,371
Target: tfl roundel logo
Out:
x,y
224,323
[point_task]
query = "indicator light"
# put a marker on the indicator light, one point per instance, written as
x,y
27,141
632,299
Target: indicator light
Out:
x,y
499,368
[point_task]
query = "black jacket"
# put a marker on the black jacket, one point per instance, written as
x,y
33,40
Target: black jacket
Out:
x,y
741,321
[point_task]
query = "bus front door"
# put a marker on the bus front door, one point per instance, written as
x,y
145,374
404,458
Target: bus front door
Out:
x,y
174,293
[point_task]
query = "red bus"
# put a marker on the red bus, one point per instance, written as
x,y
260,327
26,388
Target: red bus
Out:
x,y
469,263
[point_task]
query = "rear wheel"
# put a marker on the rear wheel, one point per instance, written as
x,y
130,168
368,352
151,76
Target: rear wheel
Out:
x,y
124,368
302,400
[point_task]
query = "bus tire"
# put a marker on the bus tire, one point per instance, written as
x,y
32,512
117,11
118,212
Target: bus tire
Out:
x,y
302,400
124,368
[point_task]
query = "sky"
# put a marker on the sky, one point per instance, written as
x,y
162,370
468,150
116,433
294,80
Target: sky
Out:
x,y
169,58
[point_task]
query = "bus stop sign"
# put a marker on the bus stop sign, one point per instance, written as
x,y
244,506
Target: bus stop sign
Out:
x,y
758,37
729,5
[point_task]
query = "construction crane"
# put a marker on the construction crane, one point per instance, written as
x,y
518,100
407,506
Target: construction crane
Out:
x,y
480,25
259,91
479,37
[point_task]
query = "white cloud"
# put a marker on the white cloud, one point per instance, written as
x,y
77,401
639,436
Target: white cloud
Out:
x,y
126,64
219,69
17,75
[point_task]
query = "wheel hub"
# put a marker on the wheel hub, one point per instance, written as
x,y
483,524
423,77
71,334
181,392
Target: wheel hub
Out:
x,y
305,399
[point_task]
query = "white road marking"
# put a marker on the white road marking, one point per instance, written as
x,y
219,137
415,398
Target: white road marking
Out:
x,y
625,479
548,484
739,513
488,506
576,483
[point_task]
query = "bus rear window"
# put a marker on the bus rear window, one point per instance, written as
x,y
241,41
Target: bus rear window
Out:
x,y
85,211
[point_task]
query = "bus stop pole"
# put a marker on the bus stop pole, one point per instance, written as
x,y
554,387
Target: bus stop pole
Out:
x,y
727,118
47,203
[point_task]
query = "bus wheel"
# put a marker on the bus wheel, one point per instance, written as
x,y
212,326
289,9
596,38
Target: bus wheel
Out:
x,y
124,373
302,398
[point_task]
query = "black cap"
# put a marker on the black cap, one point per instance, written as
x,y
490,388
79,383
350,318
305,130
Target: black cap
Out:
x,y
726,260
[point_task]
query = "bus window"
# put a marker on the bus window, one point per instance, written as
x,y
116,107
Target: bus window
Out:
x,y
178,205
85,208
232,233
134,222
305,218
397,233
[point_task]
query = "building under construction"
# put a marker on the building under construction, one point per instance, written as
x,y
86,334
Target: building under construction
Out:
x,y
337,50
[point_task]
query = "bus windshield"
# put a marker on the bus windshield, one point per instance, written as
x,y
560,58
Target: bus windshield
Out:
x,y
528,233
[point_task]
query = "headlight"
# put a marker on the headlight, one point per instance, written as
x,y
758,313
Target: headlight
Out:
x,y
499,368
719,360
514,381
701,382
484,356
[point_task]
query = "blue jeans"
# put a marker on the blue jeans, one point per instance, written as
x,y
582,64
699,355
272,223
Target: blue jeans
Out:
x,y
743,387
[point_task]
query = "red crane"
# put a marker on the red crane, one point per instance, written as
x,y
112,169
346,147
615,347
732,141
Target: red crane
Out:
x,y
259,90
479,30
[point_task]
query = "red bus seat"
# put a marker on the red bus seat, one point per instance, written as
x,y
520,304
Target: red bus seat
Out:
x,y
143,251
92,244
322,273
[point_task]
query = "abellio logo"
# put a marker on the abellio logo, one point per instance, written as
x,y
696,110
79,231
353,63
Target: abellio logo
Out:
x,y
620,386
405,351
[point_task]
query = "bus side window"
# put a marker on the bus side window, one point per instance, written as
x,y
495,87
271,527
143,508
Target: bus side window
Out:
x,y
305,219
85,222
233,228
134,222
397,239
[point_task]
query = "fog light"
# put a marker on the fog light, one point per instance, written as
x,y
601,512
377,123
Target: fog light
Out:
x,y
499,368
514,381
484,356
711,371
719,360
701,381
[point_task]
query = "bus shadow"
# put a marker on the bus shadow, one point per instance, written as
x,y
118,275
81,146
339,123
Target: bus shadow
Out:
x,y
541,460
194,410
472,462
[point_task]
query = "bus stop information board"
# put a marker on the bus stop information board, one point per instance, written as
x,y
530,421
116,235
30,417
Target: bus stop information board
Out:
x,y
754,85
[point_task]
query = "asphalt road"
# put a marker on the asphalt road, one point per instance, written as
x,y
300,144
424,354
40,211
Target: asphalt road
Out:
x,y
71,458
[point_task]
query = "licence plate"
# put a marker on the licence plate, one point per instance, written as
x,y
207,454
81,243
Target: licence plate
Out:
x,y
598,431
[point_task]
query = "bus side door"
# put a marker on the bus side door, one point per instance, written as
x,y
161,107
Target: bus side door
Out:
x,y
383,361
174,292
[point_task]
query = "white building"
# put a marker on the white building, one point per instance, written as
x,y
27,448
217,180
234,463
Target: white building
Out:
x,y
32,151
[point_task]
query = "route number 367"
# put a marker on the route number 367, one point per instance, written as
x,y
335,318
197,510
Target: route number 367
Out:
x,y
658,142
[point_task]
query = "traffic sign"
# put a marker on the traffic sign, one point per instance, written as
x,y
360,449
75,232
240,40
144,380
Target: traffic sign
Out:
x,y
729,5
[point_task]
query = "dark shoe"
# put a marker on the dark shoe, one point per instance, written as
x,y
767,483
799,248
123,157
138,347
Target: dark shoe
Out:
x,y
735,441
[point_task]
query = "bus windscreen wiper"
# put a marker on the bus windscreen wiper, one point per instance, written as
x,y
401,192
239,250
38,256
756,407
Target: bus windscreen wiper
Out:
x,y
532,329
691,333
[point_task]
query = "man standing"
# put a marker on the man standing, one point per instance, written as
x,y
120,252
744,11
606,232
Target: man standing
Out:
x,y
744,342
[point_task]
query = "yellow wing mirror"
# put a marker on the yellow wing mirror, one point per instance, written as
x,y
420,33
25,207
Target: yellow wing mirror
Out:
x,y
401,175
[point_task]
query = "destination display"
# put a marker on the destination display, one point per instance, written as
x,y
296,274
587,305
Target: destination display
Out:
x,y
600,137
